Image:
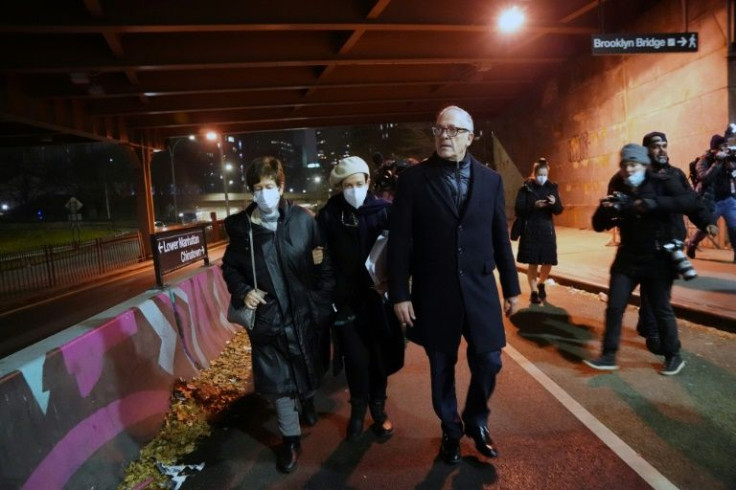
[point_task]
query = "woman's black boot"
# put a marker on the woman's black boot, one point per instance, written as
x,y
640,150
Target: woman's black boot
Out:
x,y
382,426
287,454
355,424
309,413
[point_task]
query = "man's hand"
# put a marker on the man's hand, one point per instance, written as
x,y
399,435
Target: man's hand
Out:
x,y
317,255
712,230
511,305
405,313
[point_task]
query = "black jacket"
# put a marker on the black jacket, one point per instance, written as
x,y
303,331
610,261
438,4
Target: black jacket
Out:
x,y
645,223
538,241
451,256
349,235
290,338
700,216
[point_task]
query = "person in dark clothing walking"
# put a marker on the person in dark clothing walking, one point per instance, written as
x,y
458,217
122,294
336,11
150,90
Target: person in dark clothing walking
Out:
x,y
449,233
370,338
716,171
641,207
537,201
657,148
292,302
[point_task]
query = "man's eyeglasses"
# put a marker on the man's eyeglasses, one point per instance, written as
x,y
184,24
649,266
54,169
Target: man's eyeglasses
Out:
x,y
451,131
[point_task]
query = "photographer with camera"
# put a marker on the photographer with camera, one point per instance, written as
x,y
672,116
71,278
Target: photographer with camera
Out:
x,y
716,174
641,206
657,147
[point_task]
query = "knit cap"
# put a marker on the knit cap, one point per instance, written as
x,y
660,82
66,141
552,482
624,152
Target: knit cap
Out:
x,y
635,153
716,141
347,167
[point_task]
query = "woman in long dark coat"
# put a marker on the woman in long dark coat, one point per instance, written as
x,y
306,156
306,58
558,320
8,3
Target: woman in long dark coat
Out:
x,y
293,298
368,332
537,201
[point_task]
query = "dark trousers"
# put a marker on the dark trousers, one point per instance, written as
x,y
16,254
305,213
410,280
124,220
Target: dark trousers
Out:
x,y
366,378
483,370
655,291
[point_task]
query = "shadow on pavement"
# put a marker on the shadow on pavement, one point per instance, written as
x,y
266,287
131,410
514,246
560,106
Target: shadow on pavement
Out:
x,y
549,325
696,430
472,473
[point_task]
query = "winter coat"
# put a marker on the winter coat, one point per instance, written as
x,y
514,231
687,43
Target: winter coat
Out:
x,y
349,235
700,216
450,256
538,242
290,339
646,229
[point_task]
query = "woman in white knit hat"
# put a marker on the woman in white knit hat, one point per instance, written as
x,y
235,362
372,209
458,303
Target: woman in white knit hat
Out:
x,y
366,332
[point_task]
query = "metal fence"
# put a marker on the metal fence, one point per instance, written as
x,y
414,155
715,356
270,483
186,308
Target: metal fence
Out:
x,y
65,265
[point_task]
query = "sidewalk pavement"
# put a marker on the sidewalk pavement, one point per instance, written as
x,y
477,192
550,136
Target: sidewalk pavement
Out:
x,y
585,256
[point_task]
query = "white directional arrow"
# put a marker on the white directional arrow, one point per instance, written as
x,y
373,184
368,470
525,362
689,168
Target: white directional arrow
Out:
x,y
682,41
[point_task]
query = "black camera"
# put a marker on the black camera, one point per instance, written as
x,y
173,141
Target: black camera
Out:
x,y
683,266
618,201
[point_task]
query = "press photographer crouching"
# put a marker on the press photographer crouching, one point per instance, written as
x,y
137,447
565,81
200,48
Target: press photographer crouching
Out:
x,y
640,205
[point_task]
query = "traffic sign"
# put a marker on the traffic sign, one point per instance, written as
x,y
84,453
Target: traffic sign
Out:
x,y
675,42
73,205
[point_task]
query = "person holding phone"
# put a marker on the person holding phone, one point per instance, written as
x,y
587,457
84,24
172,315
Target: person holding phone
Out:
x,y
537,202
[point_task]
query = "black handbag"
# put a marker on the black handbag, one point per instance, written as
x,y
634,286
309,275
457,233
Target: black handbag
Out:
x,y
517,228
245,316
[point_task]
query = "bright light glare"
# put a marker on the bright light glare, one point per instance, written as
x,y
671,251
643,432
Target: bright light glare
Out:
x,y
5,207
511,19
211,135
228,166
192,137
318,179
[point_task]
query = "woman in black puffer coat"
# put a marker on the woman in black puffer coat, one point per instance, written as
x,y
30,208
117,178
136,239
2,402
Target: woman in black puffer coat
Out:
x,y
537,201
293,302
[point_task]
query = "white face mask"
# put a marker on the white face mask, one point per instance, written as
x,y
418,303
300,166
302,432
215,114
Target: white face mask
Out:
x,y
267,199
541,179
635,179
355,196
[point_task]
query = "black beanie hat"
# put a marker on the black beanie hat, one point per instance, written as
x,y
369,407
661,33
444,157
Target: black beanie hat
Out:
x,y
649,138
716,141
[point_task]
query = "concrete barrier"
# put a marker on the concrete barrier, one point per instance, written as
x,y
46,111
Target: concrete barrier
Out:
x,y
77,407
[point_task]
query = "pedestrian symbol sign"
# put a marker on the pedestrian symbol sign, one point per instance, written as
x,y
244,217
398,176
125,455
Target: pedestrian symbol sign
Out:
x,y
676,42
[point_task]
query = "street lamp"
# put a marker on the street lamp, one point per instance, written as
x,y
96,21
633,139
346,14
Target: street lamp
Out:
x,y
213,136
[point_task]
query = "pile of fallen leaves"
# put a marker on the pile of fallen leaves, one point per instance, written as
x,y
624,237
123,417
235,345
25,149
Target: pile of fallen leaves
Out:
x,y
194,403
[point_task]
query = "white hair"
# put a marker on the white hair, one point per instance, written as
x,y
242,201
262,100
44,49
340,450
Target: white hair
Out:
x,y
464,114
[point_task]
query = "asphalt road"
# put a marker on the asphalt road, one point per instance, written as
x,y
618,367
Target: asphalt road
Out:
x,y
559,425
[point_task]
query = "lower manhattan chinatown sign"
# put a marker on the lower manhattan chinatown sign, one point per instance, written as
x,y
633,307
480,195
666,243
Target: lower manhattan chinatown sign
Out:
x,y
675,42
174,249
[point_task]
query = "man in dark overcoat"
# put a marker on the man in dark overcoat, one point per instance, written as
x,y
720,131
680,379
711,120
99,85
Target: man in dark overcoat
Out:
x,y
448,233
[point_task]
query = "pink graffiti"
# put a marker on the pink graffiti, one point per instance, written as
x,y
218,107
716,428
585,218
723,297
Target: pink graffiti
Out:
x,y
84,356
92,433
